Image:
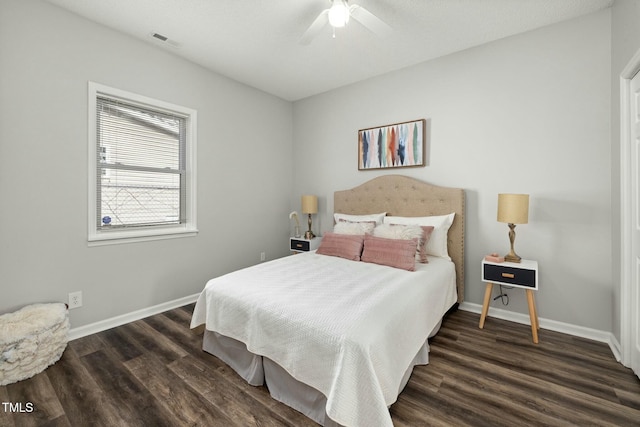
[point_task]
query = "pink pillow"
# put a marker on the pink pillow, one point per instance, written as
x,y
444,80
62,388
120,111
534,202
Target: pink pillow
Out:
x,y
347,246
392,252
422,247
407,232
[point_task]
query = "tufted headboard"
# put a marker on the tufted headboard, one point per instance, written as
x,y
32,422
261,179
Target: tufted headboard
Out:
x,y
400,195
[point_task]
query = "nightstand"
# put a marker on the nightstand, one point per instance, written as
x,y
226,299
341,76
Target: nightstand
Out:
x,y
518,275
300,244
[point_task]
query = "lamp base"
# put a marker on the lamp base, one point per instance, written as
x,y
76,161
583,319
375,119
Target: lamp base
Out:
x,y
309,234
512,258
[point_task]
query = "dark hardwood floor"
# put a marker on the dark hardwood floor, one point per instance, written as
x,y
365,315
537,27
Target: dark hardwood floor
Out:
x,y
153,373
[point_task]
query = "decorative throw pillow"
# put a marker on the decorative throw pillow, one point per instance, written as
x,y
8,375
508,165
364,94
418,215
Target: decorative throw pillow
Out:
x,y
392,252
437,244
351,227
407,232
341,245
377,218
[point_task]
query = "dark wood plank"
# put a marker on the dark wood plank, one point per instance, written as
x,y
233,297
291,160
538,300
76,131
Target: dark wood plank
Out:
x,y
180,316
121,343
37,400
159,345
177,331
86,345
84,402
6,419
135,403
187,405
282,415
226,390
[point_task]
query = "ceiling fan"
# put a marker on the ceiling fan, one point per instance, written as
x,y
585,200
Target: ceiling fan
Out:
x,y
338,16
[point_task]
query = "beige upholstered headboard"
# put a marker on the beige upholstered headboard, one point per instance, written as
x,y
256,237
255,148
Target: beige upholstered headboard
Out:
x,y
403,196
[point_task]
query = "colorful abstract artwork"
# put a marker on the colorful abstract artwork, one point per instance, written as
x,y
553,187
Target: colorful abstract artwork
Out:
x,y
392,146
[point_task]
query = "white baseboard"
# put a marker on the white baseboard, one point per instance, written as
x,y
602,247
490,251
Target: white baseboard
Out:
x,y
103,325
615,348
552,325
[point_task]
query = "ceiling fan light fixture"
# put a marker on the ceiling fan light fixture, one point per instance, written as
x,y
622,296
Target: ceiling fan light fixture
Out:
x,y
339,14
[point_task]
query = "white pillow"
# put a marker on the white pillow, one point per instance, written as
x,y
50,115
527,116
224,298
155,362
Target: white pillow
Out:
x,y
437,244
354,228
377,218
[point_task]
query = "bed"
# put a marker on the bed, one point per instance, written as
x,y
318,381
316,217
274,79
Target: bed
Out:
x,y
337,338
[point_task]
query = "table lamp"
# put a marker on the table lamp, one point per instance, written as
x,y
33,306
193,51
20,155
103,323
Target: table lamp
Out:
x,y
513,209
309,206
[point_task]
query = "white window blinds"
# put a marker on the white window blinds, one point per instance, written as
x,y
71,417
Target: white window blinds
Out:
x,y
140,166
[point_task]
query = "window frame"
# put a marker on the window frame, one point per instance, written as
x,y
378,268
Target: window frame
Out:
x,y
189,228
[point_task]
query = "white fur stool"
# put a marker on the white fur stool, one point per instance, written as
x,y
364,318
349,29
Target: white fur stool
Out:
x,y
31,339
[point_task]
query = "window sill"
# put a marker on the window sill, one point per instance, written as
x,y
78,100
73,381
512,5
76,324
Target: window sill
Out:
x,y
122,237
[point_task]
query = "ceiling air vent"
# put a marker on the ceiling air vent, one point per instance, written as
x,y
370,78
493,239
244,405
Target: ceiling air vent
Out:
x,y
164,40
160,37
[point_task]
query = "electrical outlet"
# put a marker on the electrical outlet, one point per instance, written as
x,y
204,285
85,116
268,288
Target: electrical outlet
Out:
x,y
262,256
75,299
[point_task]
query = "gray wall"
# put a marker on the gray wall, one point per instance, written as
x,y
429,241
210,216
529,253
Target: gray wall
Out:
x,y
244,168
530,114
625,42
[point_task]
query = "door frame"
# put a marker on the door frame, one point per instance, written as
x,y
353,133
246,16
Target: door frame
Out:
x,y
628,294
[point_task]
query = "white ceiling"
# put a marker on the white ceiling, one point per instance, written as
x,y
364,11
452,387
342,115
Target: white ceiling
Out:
x,y
257,41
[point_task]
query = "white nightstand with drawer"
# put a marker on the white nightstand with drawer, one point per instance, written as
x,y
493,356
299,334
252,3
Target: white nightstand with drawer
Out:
x,y
299,244
518,275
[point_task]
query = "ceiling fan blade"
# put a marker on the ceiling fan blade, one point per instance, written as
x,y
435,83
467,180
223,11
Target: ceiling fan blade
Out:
x,y
316,26
370,21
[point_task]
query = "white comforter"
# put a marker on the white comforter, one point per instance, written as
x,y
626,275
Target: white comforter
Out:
x,y
349,329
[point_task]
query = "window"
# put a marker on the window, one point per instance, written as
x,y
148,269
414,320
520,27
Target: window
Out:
x,y
141,167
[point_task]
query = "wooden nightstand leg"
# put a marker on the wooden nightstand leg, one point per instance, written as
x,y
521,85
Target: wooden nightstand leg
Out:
x,y
485,304
535,310
533,315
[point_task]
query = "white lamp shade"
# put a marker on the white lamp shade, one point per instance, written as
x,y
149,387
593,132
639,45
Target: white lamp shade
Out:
x,y
513,208
309,204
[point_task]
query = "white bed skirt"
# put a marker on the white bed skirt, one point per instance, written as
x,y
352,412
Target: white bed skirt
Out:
x,y
258,370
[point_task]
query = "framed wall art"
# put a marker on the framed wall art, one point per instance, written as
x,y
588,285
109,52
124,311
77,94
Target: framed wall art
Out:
x,y
398,145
